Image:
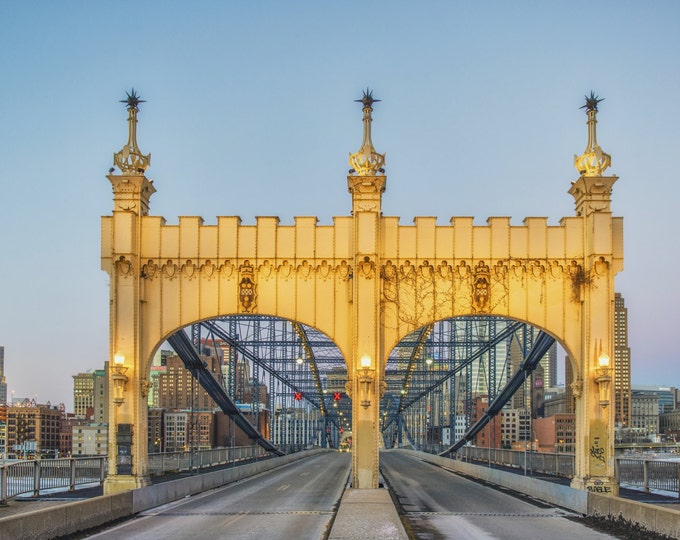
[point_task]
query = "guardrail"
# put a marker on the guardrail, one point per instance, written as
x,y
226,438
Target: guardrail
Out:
x,y
641,472
40,475
649,474
34,476
530,462
187,461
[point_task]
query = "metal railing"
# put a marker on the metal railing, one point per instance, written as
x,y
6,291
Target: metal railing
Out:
x,y
39,475
555,464
637,472
649,474
190,460
35,476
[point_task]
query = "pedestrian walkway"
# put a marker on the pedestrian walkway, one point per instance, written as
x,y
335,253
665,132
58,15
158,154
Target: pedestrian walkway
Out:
x,y
367,514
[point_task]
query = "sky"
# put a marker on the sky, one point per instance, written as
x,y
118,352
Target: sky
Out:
x,y
250,111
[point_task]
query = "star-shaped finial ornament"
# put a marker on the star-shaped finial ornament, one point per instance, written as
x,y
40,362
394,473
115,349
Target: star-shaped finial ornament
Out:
x,y
591,102
368,99
132,100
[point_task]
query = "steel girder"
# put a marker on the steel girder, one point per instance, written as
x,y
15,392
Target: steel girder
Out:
x,y
425,376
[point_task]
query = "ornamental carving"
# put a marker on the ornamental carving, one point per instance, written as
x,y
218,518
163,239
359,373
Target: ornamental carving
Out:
x,y
389,271
481,287
344,270
537,269
407,270
123,266
426,270
189,269
304,270
247,289
149,270
367,268
170,269
324,270
556,270
445,270
266,269
285,270
227,270
208,269
463,270
500,270
601,266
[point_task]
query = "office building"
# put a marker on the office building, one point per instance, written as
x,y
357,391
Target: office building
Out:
x,y
33,431
3,380
622,388
90,396
90,440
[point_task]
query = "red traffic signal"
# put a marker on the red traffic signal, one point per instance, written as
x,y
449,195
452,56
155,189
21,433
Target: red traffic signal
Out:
x,y
298,396
337,396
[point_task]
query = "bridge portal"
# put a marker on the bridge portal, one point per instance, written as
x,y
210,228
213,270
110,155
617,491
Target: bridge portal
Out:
x,y
366,282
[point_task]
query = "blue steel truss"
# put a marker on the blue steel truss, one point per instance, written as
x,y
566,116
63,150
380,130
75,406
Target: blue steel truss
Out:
x,y
296,375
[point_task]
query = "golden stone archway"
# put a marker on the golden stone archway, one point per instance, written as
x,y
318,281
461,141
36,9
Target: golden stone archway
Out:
x,y
365,281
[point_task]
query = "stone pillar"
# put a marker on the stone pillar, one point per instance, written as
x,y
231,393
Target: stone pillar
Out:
x,y
594,290
121,248
367,365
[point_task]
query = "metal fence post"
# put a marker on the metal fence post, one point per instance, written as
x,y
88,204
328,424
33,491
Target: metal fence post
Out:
x,y
36,478
102,470
645,476
72,474
3,486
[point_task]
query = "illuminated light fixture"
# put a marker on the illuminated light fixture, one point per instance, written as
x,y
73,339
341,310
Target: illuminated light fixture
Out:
x,y
366,380
604,377
299,361
119,378
428,361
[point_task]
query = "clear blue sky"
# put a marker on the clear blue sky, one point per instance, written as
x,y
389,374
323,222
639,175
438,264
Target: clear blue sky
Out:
x,y
250,112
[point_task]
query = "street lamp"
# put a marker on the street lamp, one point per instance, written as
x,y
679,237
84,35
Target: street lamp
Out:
x,y
119,378
603,378
366,380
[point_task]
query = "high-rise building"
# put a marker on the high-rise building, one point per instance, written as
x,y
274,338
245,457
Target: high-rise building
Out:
x,y
622,389
90,395
549,365
3,431
177,389
3,380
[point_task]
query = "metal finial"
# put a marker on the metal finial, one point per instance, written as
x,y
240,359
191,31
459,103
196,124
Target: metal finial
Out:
x,y
368,100
132,100
591,102
594,161
367,162
130,159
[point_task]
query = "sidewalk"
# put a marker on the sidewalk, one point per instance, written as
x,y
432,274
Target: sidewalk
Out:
x,y
367,514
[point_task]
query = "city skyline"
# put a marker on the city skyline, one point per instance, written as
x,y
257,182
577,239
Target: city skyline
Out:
x,y
249,111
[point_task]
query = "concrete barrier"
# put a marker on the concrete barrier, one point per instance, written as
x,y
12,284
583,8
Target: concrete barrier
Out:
x,y
67,518
652,517
557,494
71,518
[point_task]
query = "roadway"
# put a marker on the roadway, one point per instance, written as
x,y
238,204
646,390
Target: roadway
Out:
x,y
436,503
295,501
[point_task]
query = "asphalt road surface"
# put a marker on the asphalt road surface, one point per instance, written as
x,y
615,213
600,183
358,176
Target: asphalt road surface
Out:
x,y
439,504
297,501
